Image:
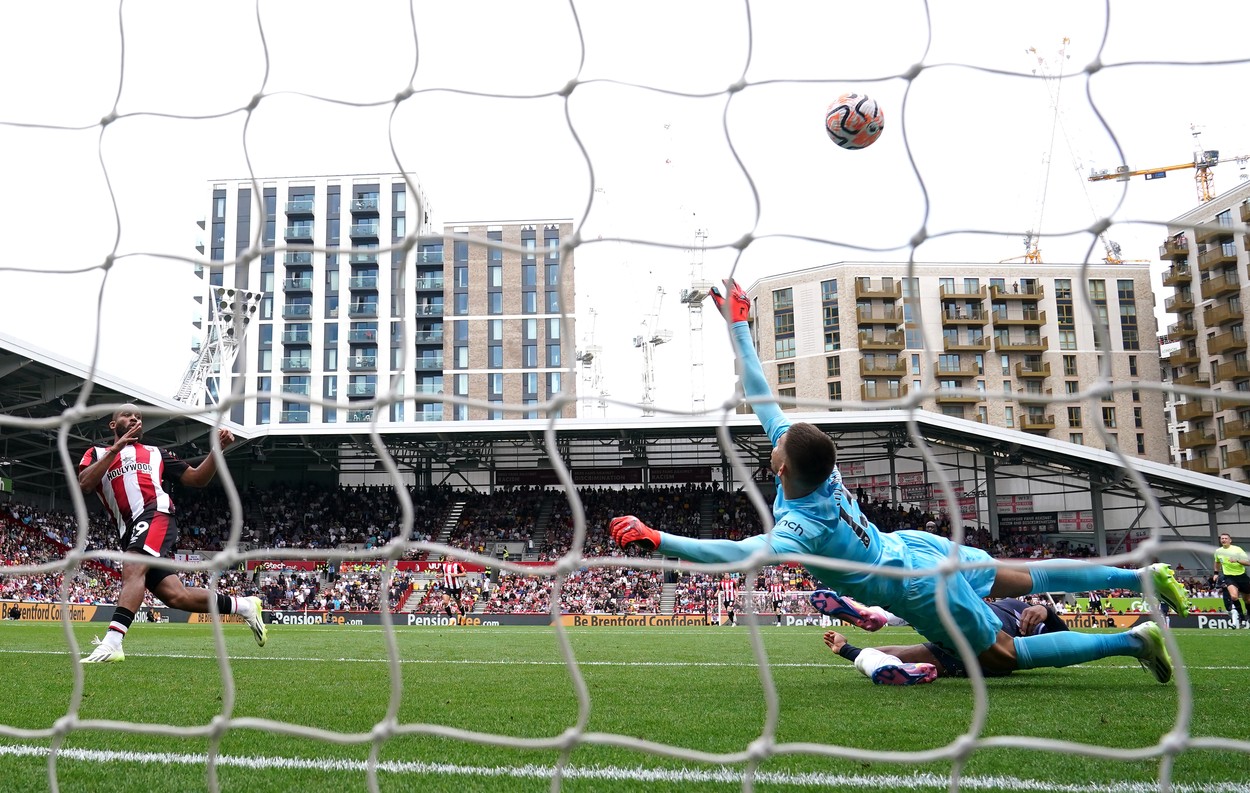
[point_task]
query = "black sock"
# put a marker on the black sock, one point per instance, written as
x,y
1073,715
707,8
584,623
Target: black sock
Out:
x,y
225,604
850,652
122,617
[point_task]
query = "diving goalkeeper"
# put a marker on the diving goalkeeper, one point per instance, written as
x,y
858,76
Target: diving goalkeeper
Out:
x,y
814,515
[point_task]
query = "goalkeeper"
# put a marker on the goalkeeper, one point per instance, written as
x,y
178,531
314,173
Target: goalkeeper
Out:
x,y
814,515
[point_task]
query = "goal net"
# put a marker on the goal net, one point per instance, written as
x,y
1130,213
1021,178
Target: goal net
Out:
x,y
669,134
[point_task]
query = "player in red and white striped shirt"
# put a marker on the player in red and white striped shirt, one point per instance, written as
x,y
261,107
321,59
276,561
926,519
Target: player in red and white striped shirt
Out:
x,y
453,574
729,590
128,477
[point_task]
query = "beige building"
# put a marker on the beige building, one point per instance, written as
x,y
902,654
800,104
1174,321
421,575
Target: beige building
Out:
x,y
1007,345
342,311
1206,248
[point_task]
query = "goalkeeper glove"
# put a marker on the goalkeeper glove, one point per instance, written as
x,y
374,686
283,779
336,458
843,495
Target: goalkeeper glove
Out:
x,y
739,303
627,531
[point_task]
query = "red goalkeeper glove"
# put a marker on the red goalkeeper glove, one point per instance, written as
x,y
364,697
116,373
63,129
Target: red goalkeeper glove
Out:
x,y
739,303
627,531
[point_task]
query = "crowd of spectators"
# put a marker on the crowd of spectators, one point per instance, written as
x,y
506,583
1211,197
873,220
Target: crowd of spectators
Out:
x,y
506,515
677,510
594,590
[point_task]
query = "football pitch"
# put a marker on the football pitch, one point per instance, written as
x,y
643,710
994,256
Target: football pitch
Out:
x,y
698,689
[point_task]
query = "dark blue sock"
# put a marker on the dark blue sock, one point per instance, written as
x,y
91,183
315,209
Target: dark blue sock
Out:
x,y
1065,648
1049,578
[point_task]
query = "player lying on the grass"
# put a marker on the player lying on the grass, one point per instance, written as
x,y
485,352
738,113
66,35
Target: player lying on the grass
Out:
x,y
815,515
127,475
909,664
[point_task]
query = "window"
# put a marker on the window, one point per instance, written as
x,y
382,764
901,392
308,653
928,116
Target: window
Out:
x,y
553,302
1074,417
494,357
785,347
1071,386
1108,417
494,330
460,277
783,299
1124,290
494,302
1077,438
494,254
1132,365
1097,290
1141,443
829,290
783,322
833,366
1005,362
1136,395
460,330
529,384
553,274
494,275
461,301
553,355
529,275
835,393
529,302
460,384
553,383
785,394
915,364
1067,340
785,373
1064,315
494,385
1069,366
1009,416
1137,418
529,356
833,341
1063,288
462,357
529,329
946,286
553,329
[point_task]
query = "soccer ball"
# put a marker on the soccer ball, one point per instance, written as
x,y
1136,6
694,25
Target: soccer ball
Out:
x,y
854,121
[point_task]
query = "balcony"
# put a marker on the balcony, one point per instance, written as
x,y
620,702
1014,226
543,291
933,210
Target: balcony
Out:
x,y
1244,211
964,369
430,364
362,363
429,337
1178,303
364,206
304,231
881,393
431,413
961,293
361,390
366,257
297,257
1237,428
1214,230
951,396
875,368
297,364
428,310
362,335
1239,459
300,206
1033,370
293,417
1226,343
1178,274
1201,465
360,416
429,257
1027,397
1195,439
430,282
1034,319
889,341
1201,409
883,290
887,316
1183,330
296,337
428,388
363,231
1192,379
958,316
1174,248
1037,422
363,282
1183,357
362,310
1232,371
1029,292
1223,314
297,284
297,311
981,344
1022,345
1216,257
295,388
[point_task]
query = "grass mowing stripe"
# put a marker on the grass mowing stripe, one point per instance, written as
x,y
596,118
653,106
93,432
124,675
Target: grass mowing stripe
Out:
x,y
615,774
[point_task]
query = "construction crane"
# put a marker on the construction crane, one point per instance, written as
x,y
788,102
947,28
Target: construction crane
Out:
x,y
230,311
1204,160
693,299
647,341
592,370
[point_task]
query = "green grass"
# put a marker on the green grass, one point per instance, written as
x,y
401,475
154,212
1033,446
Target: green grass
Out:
x,y
697,689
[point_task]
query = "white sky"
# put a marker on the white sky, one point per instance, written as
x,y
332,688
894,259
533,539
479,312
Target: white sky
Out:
x,y
663,163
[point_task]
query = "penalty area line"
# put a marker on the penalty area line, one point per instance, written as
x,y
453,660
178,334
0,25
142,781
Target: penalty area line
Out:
x,y
922,781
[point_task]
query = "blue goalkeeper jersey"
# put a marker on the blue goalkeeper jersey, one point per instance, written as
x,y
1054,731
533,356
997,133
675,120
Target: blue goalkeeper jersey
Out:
x,y
826,522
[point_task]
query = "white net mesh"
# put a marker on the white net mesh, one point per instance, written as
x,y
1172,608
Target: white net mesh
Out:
x,y
663,119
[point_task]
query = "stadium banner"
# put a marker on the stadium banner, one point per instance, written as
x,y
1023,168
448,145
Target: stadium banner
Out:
x,y
51,612
1070,522
581,476
619,620
668,474
1028,523
914,493
1015,504
358,566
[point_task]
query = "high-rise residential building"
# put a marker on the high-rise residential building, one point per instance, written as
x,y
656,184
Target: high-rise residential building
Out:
x,y
1206,248
368,300
1000,344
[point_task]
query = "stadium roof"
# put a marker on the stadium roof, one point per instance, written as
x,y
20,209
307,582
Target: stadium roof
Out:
x,y
36,384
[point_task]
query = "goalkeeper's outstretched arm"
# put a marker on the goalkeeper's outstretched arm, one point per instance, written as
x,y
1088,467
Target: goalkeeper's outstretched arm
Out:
x,y
628,531
737,311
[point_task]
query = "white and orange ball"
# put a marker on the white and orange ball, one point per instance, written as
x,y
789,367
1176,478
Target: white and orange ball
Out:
x,y
854,121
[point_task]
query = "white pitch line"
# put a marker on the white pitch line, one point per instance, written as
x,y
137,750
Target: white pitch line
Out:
x,y
923,781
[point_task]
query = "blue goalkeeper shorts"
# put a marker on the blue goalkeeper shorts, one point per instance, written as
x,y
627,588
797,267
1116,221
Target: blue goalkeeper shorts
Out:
x,y
965,592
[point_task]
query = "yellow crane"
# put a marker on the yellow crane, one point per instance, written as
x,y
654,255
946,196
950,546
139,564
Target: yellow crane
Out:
x,y
1204,160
